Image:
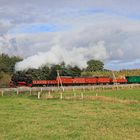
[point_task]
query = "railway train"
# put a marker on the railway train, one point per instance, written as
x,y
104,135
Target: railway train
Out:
x,y
66,81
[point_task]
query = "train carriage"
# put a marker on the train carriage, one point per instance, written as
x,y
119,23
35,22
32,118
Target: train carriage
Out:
x,y
133,79
91,80
65,80
103,80
79,81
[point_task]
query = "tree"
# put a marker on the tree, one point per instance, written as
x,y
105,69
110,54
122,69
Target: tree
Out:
x,y
7,63
44,72
53,71
94,65
74,71
4,63
13,61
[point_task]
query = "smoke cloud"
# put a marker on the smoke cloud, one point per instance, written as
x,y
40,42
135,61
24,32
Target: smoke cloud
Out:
x,y
57,54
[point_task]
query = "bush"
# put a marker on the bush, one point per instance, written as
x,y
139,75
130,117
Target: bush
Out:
x,y
4,80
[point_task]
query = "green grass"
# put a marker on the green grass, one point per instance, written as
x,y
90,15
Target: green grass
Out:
x,y
24,117
126,94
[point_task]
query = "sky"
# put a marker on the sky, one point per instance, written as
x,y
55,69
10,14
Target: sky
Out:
x,y
45,32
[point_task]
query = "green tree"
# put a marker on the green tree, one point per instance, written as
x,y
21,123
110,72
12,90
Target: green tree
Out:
x,y
7,63
53,71
73,71
13,61
44,72
4,63
94,65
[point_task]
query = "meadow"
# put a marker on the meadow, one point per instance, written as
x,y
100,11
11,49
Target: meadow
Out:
x,y
100,115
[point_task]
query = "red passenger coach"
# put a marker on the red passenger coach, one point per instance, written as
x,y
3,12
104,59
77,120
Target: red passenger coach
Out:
x,y
51,82
103,80
92,80
79,80
65,80
120,81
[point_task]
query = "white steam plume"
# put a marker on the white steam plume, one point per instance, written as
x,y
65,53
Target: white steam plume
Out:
x,y
56,55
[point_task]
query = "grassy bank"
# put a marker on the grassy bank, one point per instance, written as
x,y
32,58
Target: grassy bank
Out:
x,y
25,117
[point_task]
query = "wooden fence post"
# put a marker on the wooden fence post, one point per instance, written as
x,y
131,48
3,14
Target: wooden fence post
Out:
x,y
2,92
63,89
39,93
30,91
40,89
73,89
17,91
82,96
74,94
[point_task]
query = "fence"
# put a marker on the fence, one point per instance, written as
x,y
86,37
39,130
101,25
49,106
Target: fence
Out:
x,y
67,92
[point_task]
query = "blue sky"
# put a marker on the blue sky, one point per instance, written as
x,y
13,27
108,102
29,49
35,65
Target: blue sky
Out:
x,y
101,29
37,28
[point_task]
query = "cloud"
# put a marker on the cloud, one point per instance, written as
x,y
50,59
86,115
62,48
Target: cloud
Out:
x,y
45,32
76,56
5,25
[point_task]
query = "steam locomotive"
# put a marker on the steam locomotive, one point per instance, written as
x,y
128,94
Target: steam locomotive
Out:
x,y
17,80
21,80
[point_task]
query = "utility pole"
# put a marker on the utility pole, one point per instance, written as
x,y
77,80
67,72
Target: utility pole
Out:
x,y
114,77
114,80
59,80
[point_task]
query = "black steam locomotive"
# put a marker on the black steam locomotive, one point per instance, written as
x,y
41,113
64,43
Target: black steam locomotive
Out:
x,y
20,80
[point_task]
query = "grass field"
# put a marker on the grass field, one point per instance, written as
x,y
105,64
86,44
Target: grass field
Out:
x,y
24,117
